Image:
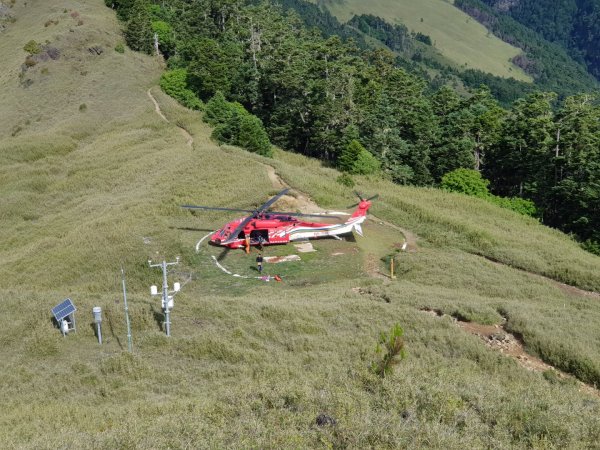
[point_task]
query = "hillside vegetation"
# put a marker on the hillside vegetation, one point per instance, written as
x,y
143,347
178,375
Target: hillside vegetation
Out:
x,y
454,33
252,364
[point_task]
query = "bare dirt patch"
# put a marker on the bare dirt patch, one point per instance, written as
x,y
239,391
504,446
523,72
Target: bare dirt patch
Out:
x,y
497,338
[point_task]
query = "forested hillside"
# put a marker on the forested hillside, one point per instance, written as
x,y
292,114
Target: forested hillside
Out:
x,y
575,24
328,98
548,63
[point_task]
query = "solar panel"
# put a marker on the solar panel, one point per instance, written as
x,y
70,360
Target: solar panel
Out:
x,y
63,309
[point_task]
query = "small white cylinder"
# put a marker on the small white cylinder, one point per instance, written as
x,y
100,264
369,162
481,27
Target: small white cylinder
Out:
x,y
97,312
176,286
153,290
64,327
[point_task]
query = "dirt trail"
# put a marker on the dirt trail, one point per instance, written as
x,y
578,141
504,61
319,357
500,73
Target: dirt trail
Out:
x,y
411,238
188,137
300,200
497,338
305,204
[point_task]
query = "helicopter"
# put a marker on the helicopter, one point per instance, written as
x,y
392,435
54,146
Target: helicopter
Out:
x,y
264,227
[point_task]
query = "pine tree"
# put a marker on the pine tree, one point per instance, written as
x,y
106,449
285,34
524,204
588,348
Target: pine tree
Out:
x,y
138,31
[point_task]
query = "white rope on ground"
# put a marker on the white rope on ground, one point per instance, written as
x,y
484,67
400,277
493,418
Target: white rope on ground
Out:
x,y
219,265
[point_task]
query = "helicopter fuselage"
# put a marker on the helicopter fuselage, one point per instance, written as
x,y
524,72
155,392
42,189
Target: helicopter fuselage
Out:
x,y
270,229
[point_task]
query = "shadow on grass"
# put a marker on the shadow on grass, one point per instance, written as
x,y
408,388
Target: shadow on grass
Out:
x,y
158,318
112,332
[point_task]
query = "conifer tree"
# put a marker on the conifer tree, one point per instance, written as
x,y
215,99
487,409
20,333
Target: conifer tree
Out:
x,y
138,31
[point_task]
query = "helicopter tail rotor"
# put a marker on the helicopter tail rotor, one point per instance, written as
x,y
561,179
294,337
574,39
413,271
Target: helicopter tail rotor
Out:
x,y
359,195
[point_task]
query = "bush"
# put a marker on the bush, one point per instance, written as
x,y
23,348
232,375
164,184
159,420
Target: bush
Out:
x,y
120,48
173,83
357,160
470,182
466,181
32,47
519,205
591,246
252,136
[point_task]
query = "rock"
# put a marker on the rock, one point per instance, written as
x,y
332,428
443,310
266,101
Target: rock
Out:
x,y
324,420
96,50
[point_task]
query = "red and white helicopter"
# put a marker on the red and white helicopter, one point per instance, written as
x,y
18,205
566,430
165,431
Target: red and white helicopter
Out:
x,y
263,227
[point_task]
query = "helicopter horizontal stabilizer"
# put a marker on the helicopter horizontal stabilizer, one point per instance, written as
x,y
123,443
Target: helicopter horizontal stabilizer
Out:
x,y
358,229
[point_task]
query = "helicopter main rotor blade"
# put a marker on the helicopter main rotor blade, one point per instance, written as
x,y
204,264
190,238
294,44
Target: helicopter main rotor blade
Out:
x,y
234,234
302,214
271,201
212,208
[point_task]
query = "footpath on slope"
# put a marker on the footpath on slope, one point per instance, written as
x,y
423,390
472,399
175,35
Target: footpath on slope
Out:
x,y
183,131
498,338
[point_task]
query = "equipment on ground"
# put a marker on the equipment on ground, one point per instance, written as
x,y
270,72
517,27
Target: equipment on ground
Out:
x,y
97,313
64,314
264,227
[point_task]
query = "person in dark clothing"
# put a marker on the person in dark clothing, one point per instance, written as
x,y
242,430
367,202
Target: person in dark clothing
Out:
x,y
259,262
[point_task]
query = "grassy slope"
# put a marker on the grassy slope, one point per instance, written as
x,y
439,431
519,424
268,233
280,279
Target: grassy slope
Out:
x,y
458,37
251,364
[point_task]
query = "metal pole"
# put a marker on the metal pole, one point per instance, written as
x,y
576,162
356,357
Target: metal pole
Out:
x,y
99,329
129,343
165,292
166,299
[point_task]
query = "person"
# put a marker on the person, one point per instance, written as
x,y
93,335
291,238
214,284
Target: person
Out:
x,y
259,262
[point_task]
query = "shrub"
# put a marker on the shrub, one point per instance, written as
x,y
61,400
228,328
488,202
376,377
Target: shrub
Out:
x,y
591,246
357,160
30,62
173,83
466,181
393,344
32,47
519,205
470,182
252,135
120,48
83,107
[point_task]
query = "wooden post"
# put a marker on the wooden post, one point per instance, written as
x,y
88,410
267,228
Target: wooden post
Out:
x,y
392,268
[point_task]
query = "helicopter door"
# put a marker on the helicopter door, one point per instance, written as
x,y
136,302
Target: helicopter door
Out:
x,y
259,236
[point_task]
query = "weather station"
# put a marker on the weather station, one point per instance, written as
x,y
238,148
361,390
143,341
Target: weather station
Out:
x,y
64,314
167,299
